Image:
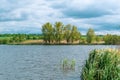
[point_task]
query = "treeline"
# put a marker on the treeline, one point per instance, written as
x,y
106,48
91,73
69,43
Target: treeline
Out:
x,y
16,38
112,39
55,34
59,32
69,33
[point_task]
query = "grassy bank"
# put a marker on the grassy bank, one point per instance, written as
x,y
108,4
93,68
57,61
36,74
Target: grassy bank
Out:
x,y
102,65
41,42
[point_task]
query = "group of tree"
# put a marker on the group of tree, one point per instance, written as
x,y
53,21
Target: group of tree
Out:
x,y
107,39
59,32
112,39
92,38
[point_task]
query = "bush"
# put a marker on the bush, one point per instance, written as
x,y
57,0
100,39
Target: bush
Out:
x,y
102,65
112,39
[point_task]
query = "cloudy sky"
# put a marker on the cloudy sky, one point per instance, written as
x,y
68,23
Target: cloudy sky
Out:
x,y
27,16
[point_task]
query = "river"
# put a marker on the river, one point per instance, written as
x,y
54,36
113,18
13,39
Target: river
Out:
x,y
42,62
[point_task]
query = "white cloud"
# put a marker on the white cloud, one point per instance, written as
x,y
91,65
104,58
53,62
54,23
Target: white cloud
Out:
x,y
25,14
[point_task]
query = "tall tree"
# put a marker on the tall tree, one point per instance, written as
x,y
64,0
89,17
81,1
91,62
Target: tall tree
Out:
x,y
47,31
67,32
58,29
90,35
75,34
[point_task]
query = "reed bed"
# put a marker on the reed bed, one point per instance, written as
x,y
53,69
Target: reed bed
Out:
x,y
68,64
102,65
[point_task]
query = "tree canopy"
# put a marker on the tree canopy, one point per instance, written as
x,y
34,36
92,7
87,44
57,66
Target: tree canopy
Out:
x,y
58,32
90,35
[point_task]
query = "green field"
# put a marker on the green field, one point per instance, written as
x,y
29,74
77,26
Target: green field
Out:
x,y
2,38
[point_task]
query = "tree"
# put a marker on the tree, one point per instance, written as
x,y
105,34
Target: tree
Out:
x,y
67,32
58,31
90,35
112,39
97,38
75,34
47,31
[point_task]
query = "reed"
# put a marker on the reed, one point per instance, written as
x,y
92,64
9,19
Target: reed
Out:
x,y
68,64
102,65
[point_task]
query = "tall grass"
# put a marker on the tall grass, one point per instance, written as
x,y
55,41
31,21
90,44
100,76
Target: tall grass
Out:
x,y
68,64
102,65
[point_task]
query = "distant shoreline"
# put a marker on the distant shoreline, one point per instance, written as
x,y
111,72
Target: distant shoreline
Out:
x,y
41,42
35,39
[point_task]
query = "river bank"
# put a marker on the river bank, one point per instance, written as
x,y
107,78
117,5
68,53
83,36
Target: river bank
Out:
x,y
41,42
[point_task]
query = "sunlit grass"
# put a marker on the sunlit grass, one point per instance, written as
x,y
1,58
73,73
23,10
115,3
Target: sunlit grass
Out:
x,y
102,65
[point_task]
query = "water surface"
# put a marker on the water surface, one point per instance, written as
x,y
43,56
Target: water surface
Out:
x,y
34,62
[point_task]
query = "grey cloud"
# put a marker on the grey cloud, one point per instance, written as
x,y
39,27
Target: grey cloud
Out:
x,y
28,12
87,13
12,17
21,29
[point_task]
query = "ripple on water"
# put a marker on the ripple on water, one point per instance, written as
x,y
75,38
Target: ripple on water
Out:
x,y
20,62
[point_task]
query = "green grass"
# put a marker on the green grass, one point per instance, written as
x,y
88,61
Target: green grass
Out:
x,y
2,38
102,65
85,37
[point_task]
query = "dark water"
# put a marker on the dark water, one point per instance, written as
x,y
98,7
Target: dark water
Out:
x,y
25,62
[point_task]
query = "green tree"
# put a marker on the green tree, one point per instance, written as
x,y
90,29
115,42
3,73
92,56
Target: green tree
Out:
x,y
67,32
90,35
47,31
97,38
75,34
112,39
58,31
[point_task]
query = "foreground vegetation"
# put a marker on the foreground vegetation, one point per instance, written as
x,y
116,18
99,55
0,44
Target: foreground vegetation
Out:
x,y
102,65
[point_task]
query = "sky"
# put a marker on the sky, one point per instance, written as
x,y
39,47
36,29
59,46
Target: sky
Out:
x,y
28,16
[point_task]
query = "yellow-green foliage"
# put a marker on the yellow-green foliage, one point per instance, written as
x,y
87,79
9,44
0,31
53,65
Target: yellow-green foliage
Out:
x,y
102,65
68,64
